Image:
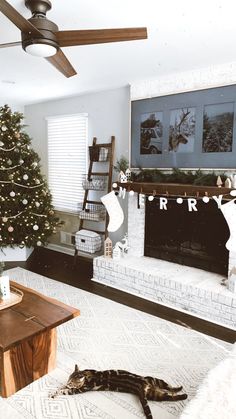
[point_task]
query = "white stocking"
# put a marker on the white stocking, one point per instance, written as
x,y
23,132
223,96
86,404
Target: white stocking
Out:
x,y
116,215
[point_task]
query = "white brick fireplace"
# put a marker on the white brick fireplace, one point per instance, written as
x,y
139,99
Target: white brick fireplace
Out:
x,y
184,288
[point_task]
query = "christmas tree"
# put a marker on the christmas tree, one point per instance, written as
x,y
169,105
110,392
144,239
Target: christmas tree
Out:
x,y
26,212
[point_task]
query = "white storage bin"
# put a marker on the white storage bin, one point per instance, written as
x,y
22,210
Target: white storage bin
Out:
x,y
88,241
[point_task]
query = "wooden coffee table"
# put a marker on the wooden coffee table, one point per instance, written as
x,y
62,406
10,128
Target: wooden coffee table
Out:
x,y
28,338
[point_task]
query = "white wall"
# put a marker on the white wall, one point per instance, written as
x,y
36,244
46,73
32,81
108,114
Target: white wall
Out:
x,y
108,115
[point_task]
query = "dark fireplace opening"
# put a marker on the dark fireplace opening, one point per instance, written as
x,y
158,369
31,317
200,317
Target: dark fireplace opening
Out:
x,y
195,238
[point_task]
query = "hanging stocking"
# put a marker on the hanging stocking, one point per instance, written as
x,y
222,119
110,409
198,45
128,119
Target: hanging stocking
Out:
x,y
114,210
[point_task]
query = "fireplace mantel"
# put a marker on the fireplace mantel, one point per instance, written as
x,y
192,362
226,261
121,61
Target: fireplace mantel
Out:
x,y
176,189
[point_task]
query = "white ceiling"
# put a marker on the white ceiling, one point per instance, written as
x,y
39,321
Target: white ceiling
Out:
x,y
182,35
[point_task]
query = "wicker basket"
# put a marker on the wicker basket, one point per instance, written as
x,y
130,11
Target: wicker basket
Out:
x,y
15,298
97,153
96,183
88,241
92,212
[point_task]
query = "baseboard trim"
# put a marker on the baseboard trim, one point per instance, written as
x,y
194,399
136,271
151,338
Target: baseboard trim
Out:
x,y
61,249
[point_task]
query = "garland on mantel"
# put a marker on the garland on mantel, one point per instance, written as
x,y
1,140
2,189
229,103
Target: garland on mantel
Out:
x,y
177,176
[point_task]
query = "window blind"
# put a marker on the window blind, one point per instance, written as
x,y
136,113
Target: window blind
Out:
x,y
67,159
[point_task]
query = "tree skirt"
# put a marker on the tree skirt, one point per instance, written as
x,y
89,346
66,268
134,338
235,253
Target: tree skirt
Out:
x,y
215,398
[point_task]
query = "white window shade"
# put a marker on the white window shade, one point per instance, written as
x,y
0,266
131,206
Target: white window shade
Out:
x,y
67,159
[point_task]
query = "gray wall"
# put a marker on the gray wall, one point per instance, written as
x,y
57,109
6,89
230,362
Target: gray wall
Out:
x,y
108,115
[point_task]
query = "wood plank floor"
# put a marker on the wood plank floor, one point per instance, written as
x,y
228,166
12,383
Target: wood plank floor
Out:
x,y
60,266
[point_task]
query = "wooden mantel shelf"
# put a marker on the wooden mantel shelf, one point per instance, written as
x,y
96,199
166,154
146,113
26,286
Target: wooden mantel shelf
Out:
x,y
176,189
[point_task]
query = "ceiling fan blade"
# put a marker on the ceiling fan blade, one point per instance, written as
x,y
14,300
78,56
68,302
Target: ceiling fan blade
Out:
x,y
10,44
99,36
15,17
62,64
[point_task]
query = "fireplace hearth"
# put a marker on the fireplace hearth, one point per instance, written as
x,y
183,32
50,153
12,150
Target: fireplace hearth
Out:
x,y
189,289
187,237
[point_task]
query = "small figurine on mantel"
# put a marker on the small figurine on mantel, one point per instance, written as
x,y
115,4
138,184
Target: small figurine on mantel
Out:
x,y
116,252
122,177
108,248
228,183
123,245
233,180
219,182
128,175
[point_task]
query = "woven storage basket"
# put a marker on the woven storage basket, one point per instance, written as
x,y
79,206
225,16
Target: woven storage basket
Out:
x,y
96,183
88,241
97,153
92,212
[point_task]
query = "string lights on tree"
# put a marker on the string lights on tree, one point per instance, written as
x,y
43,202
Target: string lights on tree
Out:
x,y
27,216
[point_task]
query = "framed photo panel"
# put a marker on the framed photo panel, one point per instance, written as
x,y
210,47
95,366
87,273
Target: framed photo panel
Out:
x,y
186,130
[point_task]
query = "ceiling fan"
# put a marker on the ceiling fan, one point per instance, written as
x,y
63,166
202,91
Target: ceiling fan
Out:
x,y
41,37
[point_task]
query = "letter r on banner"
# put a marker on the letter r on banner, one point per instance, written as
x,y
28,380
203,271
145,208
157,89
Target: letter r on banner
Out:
x,y
192,204
163,203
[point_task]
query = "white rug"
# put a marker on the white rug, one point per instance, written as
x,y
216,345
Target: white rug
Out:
x,y
216,397
110,335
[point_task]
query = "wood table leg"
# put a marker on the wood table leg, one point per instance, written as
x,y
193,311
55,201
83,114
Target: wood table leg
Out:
x,y
44,353
28,361
16,368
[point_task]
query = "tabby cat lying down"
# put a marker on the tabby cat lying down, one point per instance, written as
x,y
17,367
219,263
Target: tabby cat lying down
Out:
x,y
146,388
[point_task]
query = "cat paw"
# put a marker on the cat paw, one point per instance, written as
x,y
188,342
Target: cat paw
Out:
x,y
177,389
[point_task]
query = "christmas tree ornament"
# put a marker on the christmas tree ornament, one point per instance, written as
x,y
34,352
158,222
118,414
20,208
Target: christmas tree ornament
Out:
x,y
39,243
35,227
12,194
34,164
4,128
116,215
21,161
179,200
4,219
25,177
17,135
9,162
37,181
10,229
151,198
1,144
11,176
37,204
25,202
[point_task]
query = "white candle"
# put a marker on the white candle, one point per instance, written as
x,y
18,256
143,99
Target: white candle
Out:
x,y
5,287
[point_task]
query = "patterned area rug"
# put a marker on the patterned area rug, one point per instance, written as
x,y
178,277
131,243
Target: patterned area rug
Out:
x,y
111,335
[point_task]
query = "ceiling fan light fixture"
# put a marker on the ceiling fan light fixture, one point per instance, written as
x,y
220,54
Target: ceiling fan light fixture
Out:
x,y
41,50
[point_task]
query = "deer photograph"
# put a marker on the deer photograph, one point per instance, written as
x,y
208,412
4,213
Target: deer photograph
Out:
x,y
182,130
